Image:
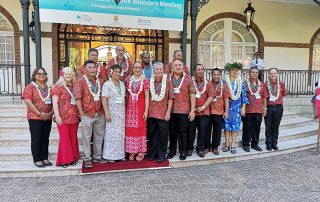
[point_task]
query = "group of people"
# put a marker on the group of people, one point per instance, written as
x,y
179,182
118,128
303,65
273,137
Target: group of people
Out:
x,y
119,108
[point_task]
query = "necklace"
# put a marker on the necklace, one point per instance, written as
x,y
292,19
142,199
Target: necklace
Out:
x,y
238,87
121,65
271,90
39,89
217,87
176,82
257,90
133,80
197,87
153,91
118,89
94,90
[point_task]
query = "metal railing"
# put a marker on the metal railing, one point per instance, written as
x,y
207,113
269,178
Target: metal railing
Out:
x,y
297,82
11,83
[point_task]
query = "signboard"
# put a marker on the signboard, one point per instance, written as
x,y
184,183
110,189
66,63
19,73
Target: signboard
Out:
x,y
143,14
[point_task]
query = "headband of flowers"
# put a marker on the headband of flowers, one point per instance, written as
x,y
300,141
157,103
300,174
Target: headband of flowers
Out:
x,y
236,65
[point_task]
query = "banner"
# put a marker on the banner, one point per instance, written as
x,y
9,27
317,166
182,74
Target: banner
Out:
x,y
143,14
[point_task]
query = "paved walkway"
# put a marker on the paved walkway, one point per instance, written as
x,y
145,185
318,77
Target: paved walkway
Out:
x,y
292,177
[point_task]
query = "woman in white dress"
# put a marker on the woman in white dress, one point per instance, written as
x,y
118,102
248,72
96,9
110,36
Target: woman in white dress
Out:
x,y
113,101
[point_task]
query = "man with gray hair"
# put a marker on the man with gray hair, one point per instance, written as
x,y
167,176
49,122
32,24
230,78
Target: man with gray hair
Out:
x,y
161,90
177,55
125,63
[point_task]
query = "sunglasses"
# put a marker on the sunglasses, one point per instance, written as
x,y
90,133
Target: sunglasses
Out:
x,y
41,74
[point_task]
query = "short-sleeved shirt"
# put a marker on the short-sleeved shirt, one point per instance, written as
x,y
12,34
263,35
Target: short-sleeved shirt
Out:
x,y
102,73
67,111
126,66
204,96
282,94
89,106
168,69
181,101
159,109
255,102
220,94
31,93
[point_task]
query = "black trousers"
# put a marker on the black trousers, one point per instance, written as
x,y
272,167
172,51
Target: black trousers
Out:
x,y
178,131
158,131
40,132
272,121
201,123
261,77
215,126
251,129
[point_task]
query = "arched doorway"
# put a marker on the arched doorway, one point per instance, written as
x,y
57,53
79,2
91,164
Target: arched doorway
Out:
x,y
316,52
75,40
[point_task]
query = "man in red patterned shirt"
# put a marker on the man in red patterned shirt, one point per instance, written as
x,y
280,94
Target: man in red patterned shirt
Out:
x,y
101,70
218,110
125,63
204,97
275,93
159,112
177,55
87,95
256,108
183,110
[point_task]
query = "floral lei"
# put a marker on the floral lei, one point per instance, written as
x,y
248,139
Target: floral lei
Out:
x,y
123,71
132,79
270,90
122,90
204,87
40,95
238,83
183,76
154,96
220,85
90,86
249,86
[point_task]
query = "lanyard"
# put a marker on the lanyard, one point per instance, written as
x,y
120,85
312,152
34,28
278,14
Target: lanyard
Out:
x,y
254,87
44,92
217,87
135,85
201,85
94,88
158,87
177,82
69,91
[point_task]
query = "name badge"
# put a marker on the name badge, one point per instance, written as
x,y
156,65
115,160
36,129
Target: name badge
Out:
x,y
118,100
214,99
73,101
176,90
272,99
47,101
96,98
122,73
257,96
198,95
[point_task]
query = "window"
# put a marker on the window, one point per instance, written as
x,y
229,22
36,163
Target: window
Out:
x,y
316,54
224,41
6,42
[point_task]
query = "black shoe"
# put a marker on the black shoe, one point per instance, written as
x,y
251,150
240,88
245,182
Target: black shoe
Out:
x,y
171,155
275,147
246,148
42,165
151,158
161,159
47,163
64,165
189,152
269,148
201,154
256,147
183,156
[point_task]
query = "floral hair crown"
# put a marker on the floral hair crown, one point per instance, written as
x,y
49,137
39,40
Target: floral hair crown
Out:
x,y
236,65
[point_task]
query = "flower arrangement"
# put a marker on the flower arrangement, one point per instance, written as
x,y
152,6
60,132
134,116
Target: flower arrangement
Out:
x,y
236,65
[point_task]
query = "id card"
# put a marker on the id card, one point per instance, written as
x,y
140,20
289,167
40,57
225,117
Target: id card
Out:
x,y
47,101
214,99
73,101
257,96
96,98
198,95
272,99
118,100
176,90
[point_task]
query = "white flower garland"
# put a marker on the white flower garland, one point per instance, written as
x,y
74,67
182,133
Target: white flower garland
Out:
x,y
220,85
132,79
272,97
204,87
238,83
123,71
183,76
154,96
122,90
249,86
90,87
40,95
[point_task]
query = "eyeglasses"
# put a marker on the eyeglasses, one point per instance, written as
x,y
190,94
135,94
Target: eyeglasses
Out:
x,y
41,74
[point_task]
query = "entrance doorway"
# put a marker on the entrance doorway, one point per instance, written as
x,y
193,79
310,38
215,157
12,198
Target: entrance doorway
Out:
x,y
75,41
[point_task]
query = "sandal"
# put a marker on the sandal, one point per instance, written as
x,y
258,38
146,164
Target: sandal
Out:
x,y
233,150
131,157
140,157
225,149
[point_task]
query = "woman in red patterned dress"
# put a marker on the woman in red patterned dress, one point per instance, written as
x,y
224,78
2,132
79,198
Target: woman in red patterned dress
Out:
x,y
137,114
66,115
37,97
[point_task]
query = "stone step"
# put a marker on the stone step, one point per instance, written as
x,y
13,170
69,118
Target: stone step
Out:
x,y
285,147
13,117
13,108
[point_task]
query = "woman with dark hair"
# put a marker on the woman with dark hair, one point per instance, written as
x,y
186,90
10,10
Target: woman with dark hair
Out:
x,y
67,118
37,97
113,101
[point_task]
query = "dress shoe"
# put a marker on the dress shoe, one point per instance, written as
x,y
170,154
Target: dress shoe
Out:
x,y
189,153
39,164
275,147
205,151
100,160
246,148
161,159
269,148
256,147
201,154
215,151
64,165
47,163
183,156
88,164
171,155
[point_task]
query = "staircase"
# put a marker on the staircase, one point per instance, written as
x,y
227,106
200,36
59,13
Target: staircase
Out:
x,y
296,134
